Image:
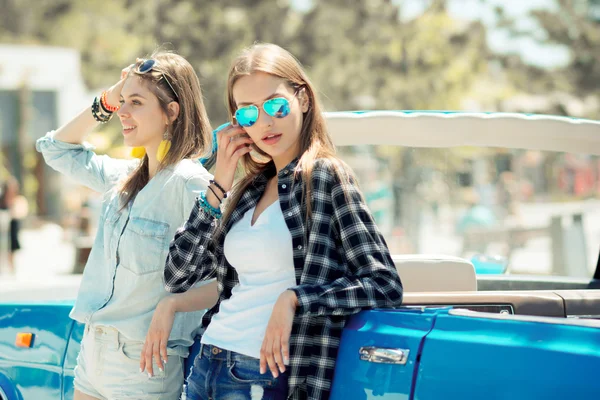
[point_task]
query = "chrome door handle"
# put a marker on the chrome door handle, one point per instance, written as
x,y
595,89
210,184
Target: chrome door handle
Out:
x,y
384,356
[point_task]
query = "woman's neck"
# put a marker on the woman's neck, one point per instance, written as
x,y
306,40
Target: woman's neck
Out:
x,y
152,161
284,160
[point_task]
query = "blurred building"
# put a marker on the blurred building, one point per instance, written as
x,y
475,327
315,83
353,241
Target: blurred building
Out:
x,y
41,88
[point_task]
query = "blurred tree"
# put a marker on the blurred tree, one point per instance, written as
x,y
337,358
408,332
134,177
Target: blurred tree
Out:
x,y
22,22
209,33
574,24
360,53
572,90
363,55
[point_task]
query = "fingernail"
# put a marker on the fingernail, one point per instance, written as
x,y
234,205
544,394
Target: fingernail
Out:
x,y
141,370
160,369
149,375
262,371
164,361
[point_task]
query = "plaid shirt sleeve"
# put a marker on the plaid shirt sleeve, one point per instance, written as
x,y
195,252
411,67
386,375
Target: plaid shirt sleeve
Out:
x,y
372,280
192,252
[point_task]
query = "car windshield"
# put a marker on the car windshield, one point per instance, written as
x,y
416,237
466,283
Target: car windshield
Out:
x,y
514,211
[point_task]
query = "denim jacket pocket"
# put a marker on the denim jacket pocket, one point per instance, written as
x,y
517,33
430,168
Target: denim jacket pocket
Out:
x,y
147,244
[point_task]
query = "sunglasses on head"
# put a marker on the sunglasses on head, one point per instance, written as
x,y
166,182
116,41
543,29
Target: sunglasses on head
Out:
x,y
277,107
147,66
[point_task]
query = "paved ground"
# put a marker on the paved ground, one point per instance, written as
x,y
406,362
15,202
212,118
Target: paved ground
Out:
x,y
43,266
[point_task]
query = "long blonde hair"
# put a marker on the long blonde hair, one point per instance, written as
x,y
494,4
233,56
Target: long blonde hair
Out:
x,y
190,132
315,141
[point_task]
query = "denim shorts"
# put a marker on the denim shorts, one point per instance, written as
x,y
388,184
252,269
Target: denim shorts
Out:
x,y
220,374
108,367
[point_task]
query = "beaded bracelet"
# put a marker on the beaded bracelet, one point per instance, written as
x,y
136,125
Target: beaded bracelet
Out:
x,y
205,205
98,114
103,112
213,182
106,106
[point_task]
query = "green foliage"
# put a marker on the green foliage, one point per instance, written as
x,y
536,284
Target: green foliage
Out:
x,y
359,53
574,24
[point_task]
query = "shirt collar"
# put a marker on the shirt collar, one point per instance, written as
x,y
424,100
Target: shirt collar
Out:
x,y
270,171
289,171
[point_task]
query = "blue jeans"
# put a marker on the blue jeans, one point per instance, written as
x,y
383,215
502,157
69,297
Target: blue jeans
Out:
x,y
220,374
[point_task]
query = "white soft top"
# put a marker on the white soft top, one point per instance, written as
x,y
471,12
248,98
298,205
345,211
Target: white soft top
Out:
x,y
451,129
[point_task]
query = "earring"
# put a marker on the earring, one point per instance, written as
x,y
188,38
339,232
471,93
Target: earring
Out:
x,y
163,147
138,152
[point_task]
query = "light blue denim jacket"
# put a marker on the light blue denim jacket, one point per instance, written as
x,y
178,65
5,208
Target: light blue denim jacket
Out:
x,y
123,279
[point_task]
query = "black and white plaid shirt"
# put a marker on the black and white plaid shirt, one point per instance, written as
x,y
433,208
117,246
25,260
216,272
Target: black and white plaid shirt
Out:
x,y
341,260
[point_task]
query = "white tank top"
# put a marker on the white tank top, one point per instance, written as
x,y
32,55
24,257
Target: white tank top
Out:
x,y
263,257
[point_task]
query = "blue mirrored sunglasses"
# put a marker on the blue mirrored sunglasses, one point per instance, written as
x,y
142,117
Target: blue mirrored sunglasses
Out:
x,y
147,66
278,107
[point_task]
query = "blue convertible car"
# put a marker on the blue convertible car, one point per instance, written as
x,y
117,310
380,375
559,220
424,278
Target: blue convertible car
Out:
x,y
531,332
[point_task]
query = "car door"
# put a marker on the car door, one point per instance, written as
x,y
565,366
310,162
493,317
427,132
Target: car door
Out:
x,y
33,369
379,352
444,353
493,356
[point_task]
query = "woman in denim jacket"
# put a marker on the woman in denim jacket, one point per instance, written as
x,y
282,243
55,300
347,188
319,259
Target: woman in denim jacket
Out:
x,y
159,104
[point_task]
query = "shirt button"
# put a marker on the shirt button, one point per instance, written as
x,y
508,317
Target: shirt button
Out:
x,y
284,186
299,247
290,214
201,247
285,171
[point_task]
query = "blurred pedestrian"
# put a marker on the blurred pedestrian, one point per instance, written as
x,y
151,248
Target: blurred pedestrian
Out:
x,y
12,201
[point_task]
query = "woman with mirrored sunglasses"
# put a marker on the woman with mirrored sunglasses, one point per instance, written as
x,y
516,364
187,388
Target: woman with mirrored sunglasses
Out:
x,y
295,251
159,104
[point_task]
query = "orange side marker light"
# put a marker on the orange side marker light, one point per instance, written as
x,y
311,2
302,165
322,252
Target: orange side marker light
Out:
x,y
24,339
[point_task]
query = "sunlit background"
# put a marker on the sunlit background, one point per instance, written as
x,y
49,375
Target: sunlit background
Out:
x,y
538,211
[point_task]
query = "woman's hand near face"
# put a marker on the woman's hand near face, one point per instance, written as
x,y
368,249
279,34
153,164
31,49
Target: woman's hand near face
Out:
x,y
233,142
75,130
113,95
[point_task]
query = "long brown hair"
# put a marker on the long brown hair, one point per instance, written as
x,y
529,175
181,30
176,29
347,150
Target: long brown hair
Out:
x,y
190,132
315,141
